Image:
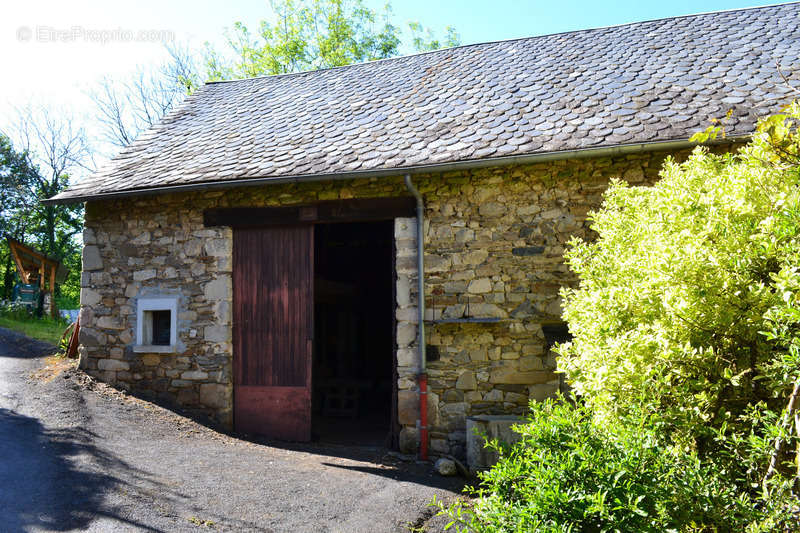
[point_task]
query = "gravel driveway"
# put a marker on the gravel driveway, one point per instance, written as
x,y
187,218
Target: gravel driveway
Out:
x,y
77,455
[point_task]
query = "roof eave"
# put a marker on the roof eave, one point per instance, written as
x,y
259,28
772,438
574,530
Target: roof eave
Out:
x,y
245,181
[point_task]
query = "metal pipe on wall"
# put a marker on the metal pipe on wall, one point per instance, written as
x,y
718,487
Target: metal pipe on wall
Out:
x,y
422,378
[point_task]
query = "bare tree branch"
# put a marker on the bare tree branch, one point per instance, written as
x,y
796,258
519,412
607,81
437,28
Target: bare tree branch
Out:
x,y
126,107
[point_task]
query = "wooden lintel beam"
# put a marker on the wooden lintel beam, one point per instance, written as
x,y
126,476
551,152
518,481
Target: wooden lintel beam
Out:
x,y
353,210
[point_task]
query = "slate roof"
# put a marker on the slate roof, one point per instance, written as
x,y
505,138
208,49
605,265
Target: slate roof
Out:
x,y
637,83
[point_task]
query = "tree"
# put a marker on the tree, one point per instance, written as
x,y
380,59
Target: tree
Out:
x,y
50,148
424,40
127,107
308,34
16,180
316,34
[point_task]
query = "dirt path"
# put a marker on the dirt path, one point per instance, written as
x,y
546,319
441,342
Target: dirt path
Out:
x,y
77,455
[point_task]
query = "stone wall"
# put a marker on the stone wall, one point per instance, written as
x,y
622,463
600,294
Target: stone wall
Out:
x,y
494,244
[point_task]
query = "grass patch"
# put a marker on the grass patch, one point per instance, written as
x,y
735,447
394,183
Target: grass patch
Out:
x,y
43,329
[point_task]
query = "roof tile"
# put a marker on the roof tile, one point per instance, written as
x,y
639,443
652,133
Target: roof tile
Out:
x,y
651,81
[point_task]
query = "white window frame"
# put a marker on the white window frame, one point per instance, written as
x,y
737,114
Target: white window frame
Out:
x,y
143,307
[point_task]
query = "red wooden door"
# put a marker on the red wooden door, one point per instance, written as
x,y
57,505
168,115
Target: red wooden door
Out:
x,y
273,310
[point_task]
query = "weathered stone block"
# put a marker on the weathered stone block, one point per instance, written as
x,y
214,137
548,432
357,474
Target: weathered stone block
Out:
x,y
151,359
466,380
194,375
218,288
407,407
475,257
216,333
218,247
510,374
112,365
433,409
487,310
408,440
89,237
403,291
439,446
142,238
90,297
515,397
91,258
406,334
187,396
125,336
529,363
107,322
492,209
90,337
407,357
478,354
472,397
480,286
493,395
542,391
215,395
405,228
144,275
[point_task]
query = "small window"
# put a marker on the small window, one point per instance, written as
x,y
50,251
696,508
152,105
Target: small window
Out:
x,y
157,322
161,327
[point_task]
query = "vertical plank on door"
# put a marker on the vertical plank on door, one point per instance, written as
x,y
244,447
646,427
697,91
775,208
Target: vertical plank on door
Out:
x,y
272,330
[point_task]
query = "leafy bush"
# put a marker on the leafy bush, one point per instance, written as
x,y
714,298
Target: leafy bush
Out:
x,y
677,293
15,310
68,302
685,359
569,473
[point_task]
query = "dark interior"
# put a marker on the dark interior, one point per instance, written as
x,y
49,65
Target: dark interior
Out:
x,y
161,328
353,358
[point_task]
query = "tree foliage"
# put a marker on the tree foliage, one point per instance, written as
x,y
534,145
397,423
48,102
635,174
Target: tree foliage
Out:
x,y
316,34
49,148
306,35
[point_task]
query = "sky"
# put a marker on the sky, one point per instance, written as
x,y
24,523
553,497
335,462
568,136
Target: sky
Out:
x,y
55,51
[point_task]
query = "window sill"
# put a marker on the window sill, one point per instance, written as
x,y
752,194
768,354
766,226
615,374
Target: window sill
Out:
x,y
154,348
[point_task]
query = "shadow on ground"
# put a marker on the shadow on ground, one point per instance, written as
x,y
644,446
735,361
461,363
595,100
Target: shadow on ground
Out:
x,y
57,479
390,465
434,481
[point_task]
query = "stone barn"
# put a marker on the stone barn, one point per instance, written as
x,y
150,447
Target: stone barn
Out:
x,y
254,258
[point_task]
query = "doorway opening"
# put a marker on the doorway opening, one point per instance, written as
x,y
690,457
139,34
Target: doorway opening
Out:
x,y
353,364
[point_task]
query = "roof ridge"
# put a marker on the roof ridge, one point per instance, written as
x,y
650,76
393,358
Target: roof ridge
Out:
x,y
498,41
645,83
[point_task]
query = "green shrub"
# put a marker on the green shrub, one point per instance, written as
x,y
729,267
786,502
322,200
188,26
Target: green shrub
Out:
x,y
15,311
685,360
570,473
678,290
67,302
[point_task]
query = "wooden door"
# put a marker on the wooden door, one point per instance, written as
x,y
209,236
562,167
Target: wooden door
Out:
x,y
273,311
